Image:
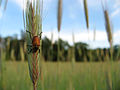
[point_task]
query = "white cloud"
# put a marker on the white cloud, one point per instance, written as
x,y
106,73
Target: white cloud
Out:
x,y
82,36
117,37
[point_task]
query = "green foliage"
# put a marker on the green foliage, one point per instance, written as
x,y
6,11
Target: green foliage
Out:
x,y
46,48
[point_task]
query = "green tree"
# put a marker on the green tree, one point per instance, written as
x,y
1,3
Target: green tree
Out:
x,y
81,50
46,48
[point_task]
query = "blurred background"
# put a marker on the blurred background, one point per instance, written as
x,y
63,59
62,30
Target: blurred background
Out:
x,y
89,46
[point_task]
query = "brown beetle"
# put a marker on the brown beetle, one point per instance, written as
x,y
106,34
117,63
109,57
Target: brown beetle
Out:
x,y
35,43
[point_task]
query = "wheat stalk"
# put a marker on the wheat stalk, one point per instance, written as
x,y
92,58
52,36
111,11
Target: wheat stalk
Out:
x,y
51,45
108,80
94,38
22,53
32,17
59,19
73,51
2,66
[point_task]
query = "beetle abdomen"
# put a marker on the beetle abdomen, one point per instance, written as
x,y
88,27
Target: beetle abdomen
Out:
x,y
36,41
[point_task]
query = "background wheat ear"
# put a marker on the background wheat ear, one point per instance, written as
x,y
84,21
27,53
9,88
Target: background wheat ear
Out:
x,y
108,30
59,17
5,4
108,27
86,13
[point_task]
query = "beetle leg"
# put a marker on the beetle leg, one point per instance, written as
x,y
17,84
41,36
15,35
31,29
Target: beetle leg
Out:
x,y
29,34
39,50
30,45
29,51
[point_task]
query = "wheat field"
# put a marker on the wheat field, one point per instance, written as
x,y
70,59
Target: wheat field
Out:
x,y
83,76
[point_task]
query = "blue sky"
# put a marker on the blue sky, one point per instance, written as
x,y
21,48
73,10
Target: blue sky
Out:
x,y
73,20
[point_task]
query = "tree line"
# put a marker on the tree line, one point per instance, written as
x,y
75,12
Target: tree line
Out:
x,y
16,50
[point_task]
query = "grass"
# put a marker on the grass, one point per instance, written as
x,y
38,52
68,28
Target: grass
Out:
x,y
85,76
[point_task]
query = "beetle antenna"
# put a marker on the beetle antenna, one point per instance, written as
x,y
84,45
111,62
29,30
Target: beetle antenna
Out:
x,y
29,33
40,35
